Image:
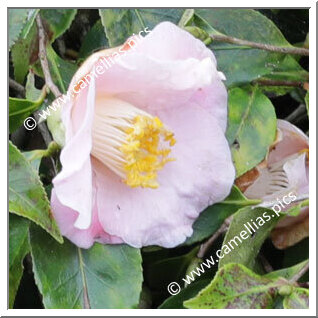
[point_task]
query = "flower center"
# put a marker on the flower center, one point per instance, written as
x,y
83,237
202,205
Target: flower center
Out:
x,y
130,142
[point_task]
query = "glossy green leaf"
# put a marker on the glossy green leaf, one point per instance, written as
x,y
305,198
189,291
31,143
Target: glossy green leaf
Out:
x,y
17,19
298,299
242,64
24,53
27,197
288,272
251,127
29,23
57,21
235,286
307,102
20,109
34,157
120,24
104,276
213,217
160,272
18,248
295,255
94,40
61,71
31,92
243,247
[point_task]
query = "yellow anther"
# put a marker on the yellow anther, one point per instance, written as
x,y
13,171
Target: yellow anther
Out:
x,y
144,153
131,142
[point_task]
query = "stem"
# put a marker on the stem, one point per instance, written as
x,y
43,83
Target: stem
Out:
x,y
269,82
300,110
261,46
266,265
297,276
205,246
17,87
48,81
43,59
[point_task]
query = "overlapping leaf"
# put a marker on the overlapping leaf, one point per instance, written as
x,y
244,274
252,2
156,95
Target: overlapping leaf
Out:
x,y
104,276
18,248
242,64
27,197
212,218
251,127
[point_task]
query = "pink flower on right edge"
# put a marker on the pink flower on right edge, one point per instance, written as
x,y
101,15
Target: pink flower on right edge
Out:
x,y
145,149
285,171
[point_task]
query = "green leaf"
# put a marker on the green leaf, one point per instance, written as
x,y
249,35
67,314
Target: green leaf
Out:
x,y
18,248
298,299
120,24
24,53
34,157
57,21
104,276
307,102
288,272
61,71
213,217
29,23
242,64
235,286
239,247
160,272
17,19
176,301
296,254
20,109
31,92
251,127
186,18
27,197
94,40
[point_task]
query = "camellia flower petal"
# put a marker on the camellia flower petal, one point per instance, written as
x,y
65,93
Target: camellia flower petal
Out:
x,y
145,150
285,171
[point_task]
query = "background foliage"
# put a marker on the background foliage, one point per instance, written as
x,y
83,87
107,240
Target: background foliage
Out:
x,y
47,271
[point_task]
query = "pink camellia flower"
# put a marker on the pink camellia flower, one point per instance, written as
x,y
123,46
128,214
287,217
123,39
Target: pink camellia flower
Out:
x,y
145,150
284,176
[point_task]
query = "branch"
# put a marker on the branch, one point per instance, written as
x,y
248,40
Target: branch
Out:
x,y
295,278
300,110
205,246
261,46
266,265
43,59
269,82
48,81
17,87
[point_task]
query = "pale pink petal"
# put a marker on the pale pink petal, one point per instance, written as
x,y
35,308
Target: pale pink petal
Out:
x,y
143,79
213,98
297,174
66,217
293,141
166,39
180,85
73,185
202,175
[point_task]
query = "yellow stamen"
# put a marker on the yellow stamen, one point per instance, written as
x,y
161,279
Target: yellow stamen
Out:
x,y
131,142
